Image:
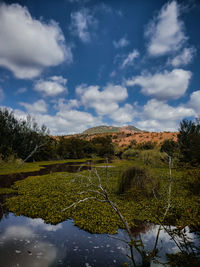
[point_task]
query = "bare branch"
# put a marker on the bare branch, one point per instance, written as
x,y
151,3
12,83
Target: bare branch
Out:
x,y
31,154
82,200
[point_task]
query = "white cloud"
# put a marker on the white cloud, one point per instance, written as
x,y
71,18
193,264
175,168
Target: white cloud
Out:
x,y
53,86
123,42
166,85
159,116
130,58
183,58
21,90
105,101
39,223
166,33
39,106
194,101
123,114
81,22
159,110
66,120
61,105
28,45
1,94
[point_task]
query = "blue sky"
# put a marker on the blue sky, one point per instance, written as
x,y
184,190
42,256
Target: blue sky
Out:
x,y
74,64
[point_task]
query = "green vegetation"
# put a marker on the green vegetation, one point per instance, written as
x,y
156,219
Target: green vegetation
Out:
x,y
137,182
142,182
146,145
75,148
17,167
189,141
25,140
170,147
14,133
109,129
101,129
46,196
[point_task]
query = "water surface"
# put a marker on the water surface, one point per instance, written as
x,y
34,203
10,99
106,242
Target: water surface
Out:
x,y
30,242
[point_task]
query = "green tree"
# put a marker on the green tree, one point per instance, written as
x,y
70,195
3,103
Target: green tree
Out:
x,y
189,141
21,137
103,146
170,147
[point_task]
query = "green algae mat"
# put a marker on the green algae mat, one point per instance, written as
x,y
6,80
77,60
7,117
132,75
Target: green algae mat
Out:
x,y
47,196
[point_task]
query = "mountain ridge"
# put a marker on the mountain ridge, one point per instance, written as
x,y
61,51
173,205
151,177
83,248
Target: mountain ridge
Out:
x,y
110,129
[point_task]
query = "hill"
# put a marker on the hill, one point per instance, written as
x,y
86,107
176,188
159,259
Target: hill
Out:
x,y
110,129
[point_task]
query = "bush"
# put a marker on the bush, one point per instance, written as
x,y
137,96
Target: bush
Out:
x,y
192,181
170,147
137,182
146,145
153,158
129,153
133,143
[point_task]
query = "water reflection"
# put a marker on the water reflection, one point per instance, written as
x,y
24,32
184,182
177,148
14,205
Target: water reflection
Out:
x,y
30,242
6,180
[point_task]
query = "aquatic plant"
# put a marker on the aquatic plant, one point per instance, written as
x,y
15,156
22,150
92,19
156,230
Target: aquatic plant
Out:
x,y
136,181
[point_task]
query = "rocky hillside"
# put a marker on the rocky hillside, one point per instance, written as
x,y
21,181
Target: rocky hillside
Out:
x,y
124,136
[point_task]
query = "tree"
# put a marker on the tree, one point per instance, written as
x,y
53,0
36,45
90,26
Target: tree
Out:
x,y
170,147
103,146
22,138
189,141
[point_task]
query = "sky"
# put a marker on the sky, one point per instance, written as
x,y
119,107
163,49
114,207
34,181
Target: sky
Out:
x,y
75,64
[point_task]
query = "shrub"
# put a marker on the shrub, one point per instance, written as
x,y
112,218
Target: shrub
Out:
x,y
137,182
170,147
130,153
146,145
152,157
192,181
133,142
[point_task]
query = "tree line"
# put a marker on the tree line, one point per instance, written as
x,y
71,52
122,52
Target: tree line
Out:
x,y
24,139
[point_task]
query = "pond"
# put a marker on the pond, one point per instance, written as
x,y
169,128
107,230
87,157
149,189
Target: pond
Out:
x,y
27,242
30,242
6,180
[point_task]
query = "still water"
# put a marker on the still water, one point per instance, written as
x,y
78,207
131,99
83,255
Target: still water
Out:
x,y
30,242
6,180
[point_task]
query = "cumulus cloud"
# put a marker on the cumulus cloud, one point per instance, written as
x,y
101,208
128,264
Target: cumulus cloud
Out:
x,y
159,110
129,60
39,106
53,86
183,58
105,101
81,22
62,105
158,116
28,45
123,42
194,101
67,119
166,85
166,31
123,114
